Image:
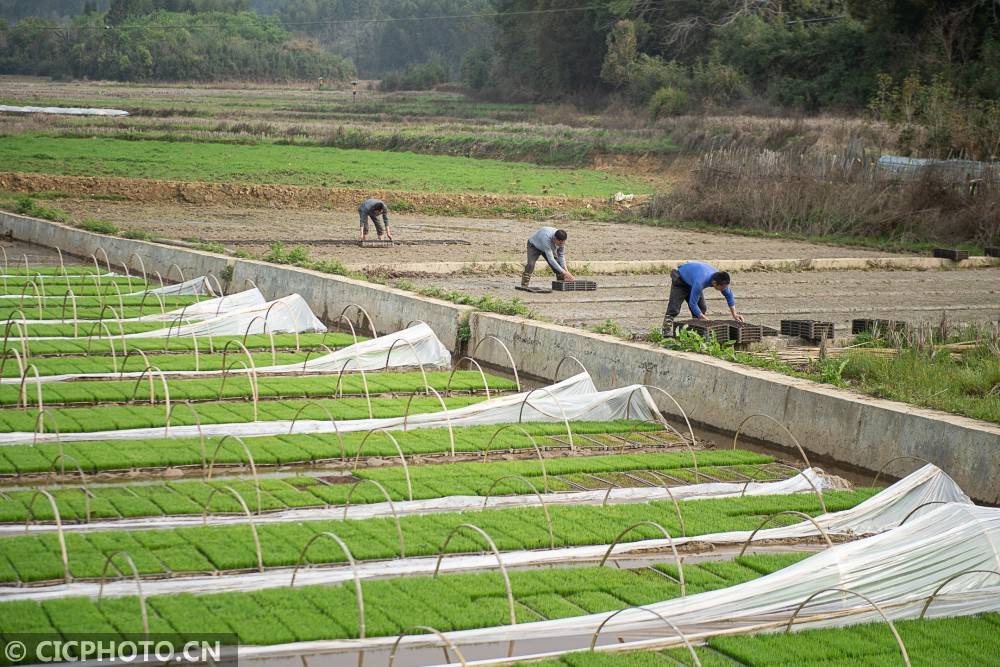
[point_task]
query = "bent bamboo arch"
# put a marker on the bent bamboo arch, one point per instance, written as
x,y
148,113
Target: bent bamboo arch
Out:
x,y
510,357
795,440
534,489
892,626
61,459
399,450
371,324
496,552
392,508
60,533
253,466
565,419
444,409
826,536
246,510
568,357
948,581
687,643
531,439
197,422
690,445
144,615
893,460
670,540
486,385
426,628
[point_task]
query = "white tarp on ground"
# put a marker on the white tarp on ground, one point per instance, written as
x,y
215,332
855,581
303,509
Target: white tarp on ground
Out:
x,y
412,347
574,398
884,511
200,310
193,287
806,481
69,111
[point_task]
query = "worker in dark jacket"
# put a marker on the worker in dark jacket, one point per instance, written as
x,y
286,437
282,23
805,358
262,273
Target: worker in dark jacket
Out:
x,y
687,284
372,209
550,243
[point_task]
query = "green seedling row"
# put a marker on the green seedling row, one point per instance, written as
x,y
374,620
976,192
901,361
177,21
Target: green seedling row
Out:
x,y
428,481
35,557
123,417
83,329
105,455
90,308
448,602
165,362
207,344
966,641
206,389
12,269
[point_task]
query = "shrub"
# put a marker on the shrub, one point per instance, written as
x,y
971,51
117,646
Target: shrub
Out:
x,y
668,101
97,226
416,77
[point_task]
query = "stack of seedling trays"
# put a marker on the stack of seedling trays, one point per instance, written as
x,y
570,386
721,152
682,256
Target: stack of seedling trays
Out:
x,y
574,285
951,253
743,332
377,244
875,326
808,329
706,329
992,250
769,331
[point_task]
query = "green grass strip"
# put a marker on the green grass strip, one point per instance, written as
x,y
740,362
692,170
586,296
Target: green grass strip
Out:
x,y
207,389
122,417
448,602
428,481
298,165
98,455
207,344
35,557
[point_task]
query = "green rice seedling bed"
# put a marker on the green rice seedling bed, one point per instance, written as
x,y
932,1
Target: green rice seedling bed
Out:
x,y
208,389
207,344
58,288
12,269
35,557
111,455
965,641
84,329
428,481
122,417
165,362
90,308
448,602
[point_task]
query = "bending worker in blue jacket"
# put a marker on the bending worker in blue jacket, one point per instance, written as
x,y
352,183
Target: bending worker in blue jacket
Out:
x,y
551,243
687,283
373,208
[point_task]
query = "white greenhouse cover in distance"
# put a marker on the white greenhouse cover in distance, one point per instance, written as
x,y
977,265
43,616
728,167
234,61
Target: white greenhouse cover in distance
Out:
x,y
68,111
911,491
804,482
412,347
574,398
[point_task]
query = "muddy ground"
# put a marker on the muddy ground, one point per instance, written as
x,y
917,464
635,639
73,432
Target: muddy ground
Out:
x,y
638,302
252,229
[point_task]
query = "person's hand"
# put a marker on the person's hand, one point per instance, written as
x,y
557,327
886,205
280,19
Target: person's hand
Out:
x,y
703,316
738,317
388,234
567,276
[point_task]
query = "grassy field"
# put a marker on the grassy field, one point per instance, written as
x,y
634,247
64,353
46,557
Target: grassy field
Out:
x,y
299,165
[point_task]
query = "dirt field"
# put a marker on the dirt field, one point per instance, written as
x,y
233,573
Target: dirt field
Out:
x,y
638,302
252,229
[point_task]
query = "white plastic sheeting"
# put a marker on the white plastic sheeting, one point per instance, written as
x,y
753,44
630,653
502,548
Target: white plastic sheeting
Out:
x,y
884,511
804,482
193,287
421,347
574,398
199,285
68,111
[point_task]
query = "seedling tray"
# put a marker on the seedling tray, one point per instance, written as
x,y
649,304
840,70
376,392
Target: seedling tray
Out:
x,y
744,332
863,326
810,329
574,285
951,253
705,328
376,244
992,250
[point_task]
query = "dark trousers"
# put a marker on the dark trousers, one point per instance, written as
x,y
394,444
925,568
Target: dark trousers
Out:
x,y
374,218
529,267
680,292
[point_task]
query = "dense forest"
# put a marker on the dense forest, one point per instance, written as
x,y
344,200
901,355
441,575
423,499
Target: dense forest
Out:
x,y
676,56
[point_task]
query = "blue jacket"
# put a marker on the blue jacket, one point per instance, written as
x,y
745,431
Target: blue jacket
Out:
x,y
698,276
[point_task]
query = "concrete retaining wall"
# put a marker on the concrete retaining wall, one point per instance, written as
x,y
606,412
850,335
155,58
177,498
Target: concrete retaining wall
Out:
x,y
846,427
327,295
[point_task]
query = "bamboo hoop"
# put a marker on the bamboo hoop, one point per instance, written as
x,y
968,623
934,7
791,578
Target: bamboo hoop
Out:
x,y
520,413
892,626
673,499
61,459
826,536
179,272
40,426
111,343
128,275
687,643
399,450
496,552
152,392
541,501
118,318
142,267
364,383
350,324
22,331
305,362
38,297
254,384
947,581
59,528
142,355
21,398
197,421
423,373
142,303
144,615
267,316
71,295
666,534
921,506
371,324
253,466
426,628
217,291
246,511
690,445
107,260
392,508
24,386
444,408
486,385
510,357
893,460
555,378
534,443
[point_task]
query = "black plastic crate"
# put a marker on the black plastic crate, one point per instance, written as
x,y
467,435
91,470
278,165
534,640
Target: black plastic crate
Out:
x,y
809,329
574,285
769,331
992,250
951,253
880,326
706,329
376,244
744,332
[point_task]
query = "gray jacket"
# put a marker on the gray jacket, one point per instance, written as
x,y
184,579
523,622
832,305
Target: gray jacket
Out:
x,y
544,241
368,205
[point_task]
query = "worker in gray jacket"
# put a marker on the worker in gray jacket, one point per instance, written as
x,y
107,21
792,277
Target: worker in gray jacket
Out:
x,y
550,243
373,208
